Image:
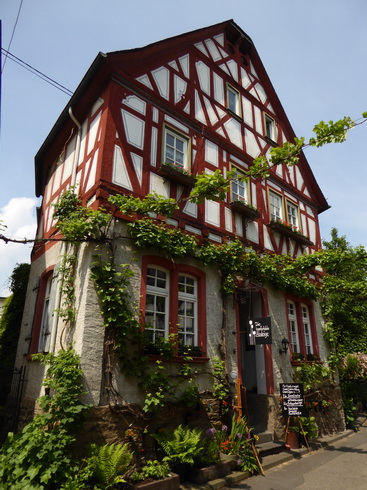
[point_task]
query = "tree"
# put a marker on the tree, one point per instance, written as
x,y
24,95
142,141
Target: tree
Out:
x,y
10,324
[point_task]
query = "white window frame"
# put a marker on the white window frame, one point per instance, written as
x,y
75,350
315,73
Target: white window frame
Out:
x,y
233,100
238,186
275,206
47,314
293,327
292,215
307,328
157,292
185,298
173,151
270,128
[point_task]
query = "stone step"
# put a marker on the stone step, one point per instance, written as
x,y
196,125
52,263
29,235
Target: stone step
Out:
x,y
267,448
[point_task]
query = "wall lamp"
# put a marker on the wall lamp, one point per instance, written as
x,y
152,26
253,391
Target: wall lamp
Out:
x,y
285,343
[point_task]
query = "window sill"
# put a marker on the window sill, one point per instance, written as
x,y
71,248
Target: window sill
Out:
x,y
178,359
271,141
284,230
236,116
246,211
301,362
170,172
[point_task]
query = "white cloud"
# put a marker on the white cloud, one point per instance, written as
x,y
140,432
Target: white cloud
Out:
x,y
19,215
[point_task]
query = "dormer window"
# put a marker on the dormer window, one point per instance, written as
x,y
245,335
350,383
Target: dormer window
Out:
x,y
176,149
233,101
270,130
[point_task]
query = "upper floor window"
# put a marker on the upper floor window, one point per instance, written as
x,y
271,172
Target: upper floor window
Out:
x,y
276,206
239,188
176,149
270,130
44,339
292,215
233,100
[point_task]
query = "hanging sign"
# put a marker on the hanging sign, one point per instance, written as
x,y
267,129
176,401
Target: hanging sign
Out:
x,y
259,331
292,398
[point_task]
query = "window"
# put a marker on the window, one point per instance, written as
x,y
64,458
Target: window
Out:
x,y
276,206
301,338
292,215
239,189
44,341
270,127
187,310
233,100
156,307
293,327
176,149
171,300
307,329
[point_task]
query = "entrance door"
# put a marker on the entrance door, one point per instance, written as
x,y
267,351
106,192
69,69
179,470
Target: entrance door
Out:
x,y
252,356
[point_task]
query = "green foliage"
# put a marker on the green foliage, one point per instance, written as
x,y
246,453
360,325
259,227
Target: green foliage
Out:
x,y
77,222
182,445
312,375
109,463
221,390
148,234
153,469
39,457
308,429
67,278
211,186
331,132
10,324
353,366
151,203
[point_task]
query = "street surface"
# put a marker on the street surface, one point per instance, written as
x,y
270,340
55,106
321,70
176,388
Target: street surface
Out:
x,y
341,466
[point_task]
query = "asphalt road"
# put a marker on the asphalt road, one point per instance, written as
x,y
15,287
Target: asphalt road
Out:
x,y
341,466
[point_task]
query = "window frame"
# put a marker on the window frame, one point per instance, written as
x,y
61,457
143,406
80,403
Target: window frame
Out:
x,y
157,292
295,226
237,111
246,187
281,207
174,271
307,340
185,139
270,129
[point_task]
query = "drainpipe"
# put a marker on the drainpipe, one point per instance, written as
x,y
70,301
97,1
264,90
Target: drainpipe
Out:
x,y
64,246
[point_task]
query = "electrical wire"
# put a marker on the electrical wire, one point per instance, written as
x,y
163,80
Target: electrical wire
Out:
x,y
12,34
36,72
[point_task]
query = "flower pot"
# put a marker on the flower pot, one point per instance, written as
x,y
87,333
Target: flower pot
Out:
x,y
292,440
170,483
208,473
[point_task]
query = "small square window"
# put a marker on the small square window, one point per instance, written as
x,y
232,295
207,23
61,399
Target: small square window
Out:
x,y
176,150
233,100
270,127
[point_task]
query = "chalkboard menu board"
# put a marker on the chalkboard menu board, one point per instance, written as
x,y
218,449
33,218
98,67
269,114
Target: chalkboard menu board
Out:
x,y
259,331
293,403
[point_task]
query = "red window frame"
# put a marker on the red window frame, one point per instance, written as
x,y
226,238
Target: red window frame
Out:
x,y
174,270
299,302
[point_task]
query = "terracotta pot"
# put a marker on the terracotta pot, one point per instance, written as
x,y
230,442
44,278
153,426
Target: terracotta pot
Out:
x,y
292,440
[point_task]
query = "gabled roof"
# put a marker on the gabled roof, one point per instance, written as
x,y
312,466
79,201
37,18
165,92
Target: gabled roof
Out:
x,y
128,63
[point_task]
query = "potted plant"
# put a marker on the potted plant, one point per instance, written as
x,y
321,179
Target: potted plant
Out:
x,y
181,446
176,173
155,475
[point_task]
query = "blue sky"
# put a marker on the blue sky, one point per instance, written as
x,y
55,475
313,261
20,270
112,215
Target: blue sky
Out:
x,y
314,52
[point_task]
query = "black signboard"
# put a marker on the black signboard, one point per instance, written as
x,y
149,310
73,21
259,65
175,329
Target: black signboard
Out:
x,y
259,331
293,403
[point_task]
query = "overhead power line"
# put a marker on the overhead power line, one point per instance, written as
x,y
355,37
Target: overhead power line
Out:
x,y
12,34
36,72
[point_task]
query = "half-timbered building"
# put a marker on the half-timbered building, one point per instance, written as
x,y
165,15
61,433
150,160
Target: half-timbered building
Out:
x,y
148,120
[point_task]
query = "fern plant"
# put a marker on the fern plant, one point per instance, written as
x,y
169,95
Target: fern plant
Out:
x,y
109,463
182,445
